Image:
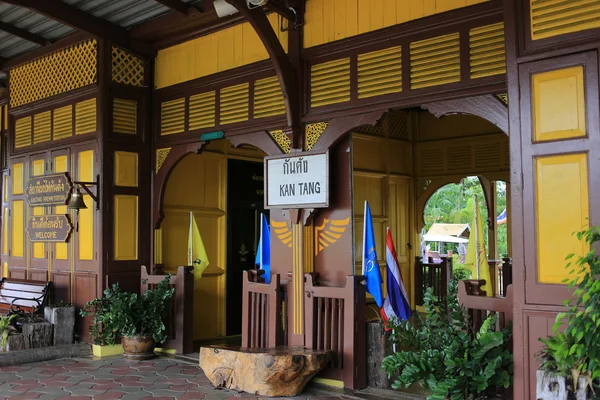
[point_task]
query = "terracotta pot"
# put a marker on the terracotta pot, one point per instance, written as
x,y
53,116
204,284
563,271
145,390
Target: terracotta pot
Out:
x,y
140,347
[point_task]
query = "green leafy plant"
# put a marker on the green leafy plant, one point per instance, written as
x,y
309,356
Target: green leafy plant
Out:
x,y
6,328
444,354
576,352
121,313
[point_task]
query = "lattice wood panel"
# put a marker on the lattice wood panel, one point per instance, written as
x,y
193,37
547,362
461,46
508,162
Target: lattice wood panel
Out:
x,y
57,73
85,117
23,132
380,72
63,122
202,110
42,127
234,104
268,98
330,82
282,140
125,116
487,50
557,17
313,133
172,117
126,68
435,61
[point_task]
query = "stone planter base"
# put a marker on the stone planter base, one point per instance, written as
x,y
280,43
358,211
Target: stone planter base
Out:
x,y
63,319
14,342
37,334
553,387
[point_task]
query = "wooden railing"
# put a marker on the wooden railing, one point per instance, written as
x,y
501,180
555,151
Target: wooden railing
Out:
x,y
262,322
502,271
432,275
181,313
479,306
335,321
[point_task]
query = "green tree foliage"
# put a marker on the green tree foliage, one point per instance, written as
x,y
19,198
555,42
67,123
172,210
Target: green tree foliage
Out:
x,y
453,204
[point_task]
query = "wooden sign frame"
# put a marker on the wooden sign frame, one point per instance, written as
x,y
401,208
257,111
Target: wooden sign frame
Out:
x,y
67,193
62,235
324,204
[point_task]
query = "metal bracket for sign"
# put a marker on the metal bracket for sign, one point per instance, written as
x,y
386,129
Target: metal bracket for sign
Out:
x,y
88,191
324,204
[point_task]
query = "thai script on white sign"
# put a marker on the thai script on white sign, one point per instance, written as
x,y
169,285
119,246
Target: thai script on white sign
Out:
x,y
297,181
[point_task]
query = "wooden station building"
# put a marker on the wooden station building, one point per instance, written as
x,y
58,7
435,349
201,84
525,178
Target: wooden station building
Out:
x,y
405,96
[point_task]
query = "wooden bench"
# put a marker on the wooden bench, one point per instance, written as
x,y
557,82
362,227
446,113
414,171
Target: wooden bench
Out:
x,y
19,296
480,307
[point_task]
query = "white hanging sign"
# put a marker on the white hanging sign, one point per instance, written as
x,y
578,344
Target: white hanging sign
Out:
x,y
299,181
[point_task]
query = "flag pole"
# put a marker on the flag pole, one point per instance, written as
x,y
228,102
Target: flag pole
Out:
x,y
476,234
364,237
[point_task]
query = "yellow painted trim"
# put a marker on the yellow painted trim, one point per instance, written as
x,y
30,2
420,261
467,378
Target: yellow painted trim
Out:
x,y
106,351
559,104
562,200
220,51
126,169
17,184
160,350
125,227
329,382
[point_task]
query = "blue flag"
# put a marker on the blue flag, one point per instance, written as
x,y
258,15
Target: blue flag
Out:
x,y
263,253
370,265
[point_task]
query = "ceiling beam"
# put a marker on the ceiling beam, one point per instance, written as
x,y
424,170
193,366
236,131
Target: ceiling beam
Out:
x,y
83,21
23,34
179,6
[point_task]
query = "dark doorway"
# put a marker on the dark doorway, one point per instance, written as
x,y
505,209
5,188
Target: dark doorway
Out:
x,y
244,205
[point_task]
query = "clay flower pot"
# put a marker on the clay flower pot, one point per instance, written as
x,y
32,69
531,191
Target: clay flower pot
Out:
x,y
140,347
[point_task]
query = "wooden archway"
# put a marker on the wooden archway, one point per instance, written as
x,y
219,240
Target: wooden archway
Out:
x,y
167,159
488,107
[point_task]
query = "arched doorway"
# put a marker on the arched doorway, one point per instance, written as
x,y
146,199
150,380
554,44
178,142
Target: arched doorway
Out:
x,y
221,185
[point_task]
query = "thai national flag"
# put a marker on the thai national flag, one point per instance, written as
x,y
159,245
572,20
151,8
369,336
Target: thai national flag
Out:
x,y
501,219
396,304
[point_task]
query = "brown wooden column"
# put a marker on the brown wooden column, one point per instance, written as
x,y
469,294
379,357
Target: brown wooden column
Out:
x,y
555,155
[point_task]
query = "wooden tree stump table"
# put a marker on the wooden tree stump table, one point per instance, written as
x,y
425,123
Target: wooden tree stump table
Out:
x,y
274,372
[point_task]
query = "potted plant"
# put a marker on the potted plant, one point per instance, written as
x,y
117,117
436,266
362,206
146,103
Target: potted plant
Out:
x,y
62,316
570,360
138,320
444,355
6,330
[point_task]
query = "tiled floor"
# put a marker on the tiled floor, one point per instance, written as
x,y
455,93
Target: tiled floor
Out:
x,y
117,378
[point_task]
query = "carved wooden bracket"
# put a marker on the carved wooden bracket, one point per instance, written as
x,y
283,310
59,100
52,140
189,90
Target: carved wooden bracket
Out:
x,y
338,127
287,74
488,107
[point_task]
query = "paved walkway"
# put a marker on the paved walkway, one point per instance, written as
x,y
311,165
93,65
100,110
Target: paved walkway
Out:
x,y
117,378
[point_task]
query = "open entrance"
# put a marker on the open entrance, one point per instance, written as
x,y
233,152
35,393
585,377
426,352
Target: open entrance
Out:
x,y
221,188
245,203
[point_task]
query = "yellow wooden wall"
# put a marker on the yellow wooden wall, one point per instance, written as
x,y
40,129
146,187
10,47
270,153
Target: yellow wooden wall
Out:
x,y
382,175
220,51
199,184
331,20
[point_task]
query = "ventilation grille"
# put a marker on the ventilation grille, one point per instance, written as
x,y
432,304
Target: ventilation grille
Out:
x,y
459,157
487,52
330,83
63,122
202,110
234,104
85,117
126,68
398,125
57,73
557,17
435,61
172,117
42,127
431,165
124,116
268,98
23,132
488,156
380,72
